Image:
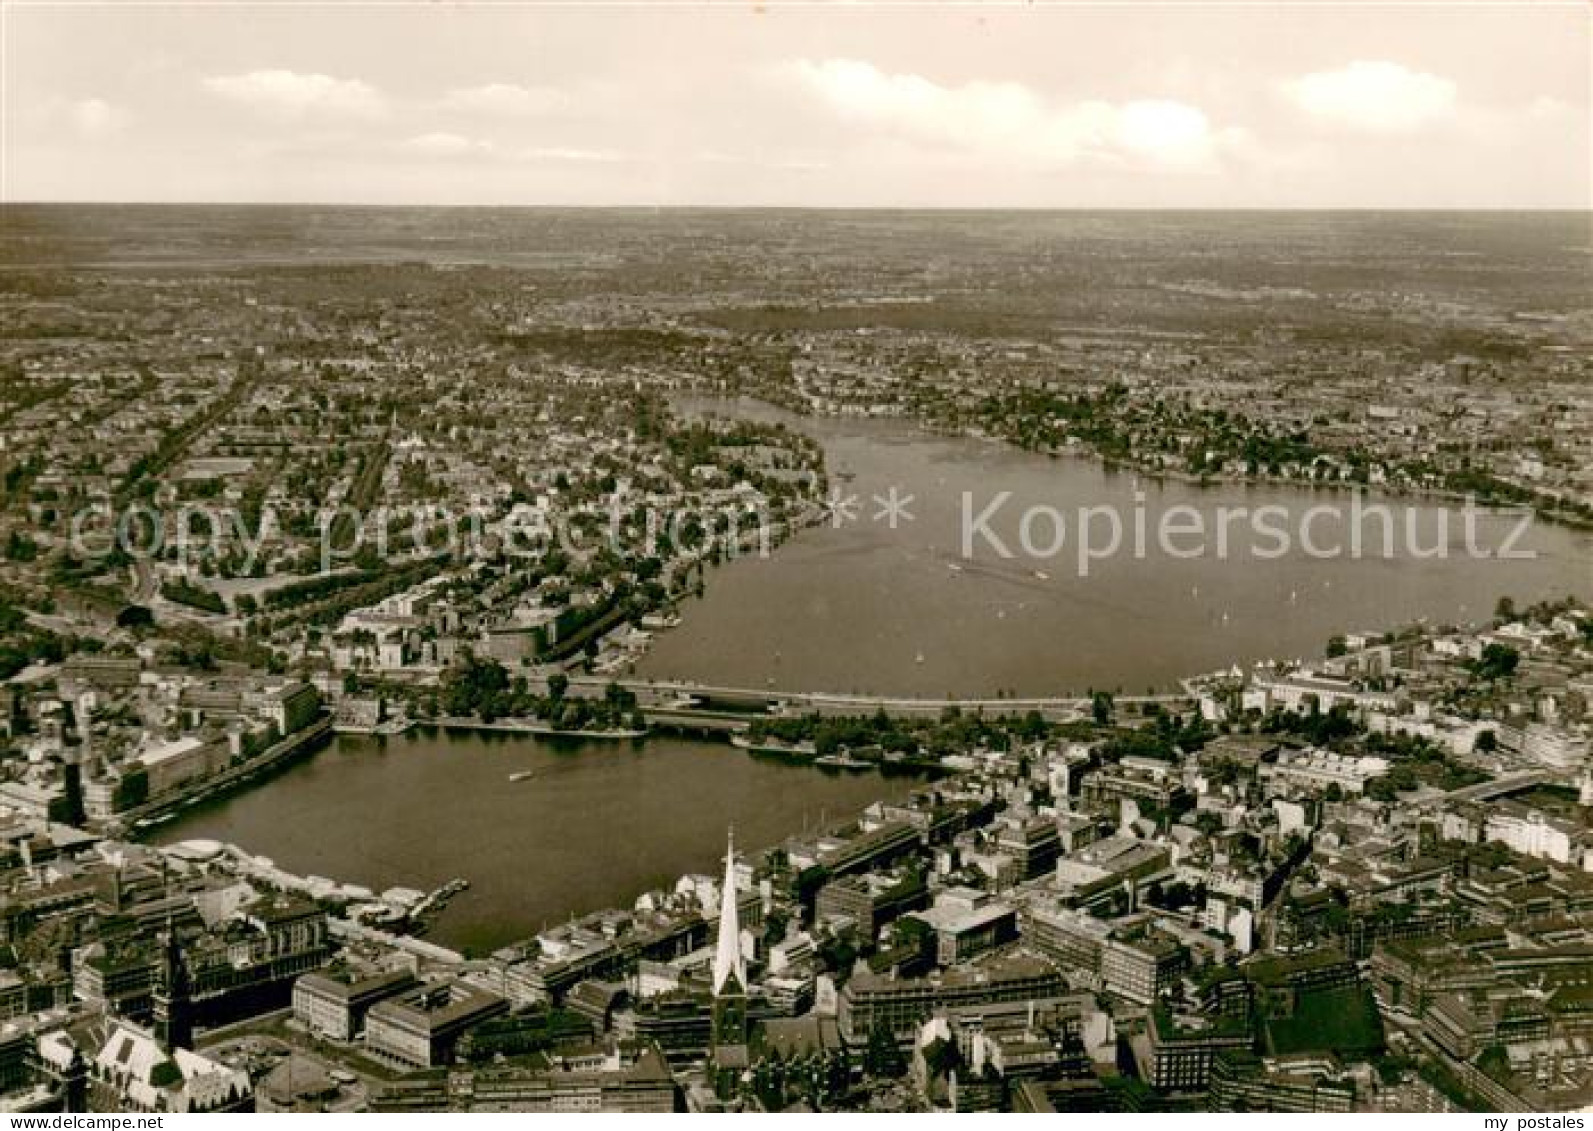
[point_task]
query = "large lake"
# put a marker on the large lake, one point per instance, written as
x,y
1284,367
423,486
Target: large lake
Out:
x,y
864,608
598,824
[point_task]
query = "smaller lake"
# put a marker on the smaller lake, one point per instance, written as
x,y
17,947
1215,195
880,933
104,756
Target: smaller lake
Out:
x,y
598,823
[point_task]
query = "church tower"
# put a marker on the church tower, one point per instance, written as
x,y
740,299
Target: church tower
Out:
x,y
75,1083
729,1051
173,1008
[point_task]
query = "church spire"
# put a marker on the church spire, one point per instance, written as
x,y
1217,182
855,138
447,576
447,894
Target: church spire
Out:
x,y
728,1020
728,960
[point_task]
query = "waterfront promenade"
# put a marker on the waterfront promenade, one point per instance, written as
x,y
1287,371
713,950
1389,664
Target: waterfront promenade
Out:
x,y
278,754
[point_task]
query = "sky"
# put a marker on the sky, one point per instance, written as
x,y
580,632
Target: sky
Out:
x,y
1176,103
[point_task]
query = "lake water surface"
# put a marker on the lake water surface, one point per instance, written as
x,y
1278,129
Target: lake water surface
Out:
x,y
864,608
598,823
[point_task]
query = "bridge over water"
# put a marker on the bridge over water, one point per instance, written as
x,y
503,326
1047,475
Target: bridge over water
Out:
x,y
1498,787
683,697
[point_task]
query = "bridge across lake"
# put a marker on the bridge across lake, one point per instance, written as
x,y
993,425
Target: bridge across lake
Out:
x,y
687,699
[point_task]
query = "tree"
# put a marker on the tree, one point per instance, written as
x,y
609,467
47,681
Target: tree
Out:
x,y
941,1058
1505,609
21,548
1381,788
135,617
1486,743
883,1058
838,955
558,684
1498,661
476,687
1101,707
1033,727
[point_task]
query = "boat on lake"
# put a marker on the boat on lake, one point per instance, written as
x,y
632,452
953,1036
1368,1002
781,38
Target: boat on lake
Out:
x,y
843,762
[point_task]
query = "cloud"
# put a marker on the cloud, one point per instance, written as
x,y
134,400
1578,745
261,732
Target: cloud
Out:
x,y
567,153
291,95
95,117
1380,97
507,100
785,163
59,119
1172,131
1543,108
452,146
1009,120
446,145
